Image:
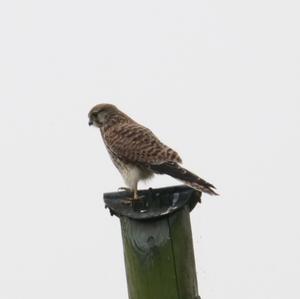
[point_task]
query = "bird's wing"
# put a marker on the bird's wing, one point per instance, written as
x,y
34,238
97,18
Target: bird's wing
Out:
x,y
176,171
135,143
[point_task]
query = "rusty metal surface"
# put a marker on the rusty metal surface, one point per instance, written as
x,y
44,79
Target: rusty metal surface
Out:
x,y
153,203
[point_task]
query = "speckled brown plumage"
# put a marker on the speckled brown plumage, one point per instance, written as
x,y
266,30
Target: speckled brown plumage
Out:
x,y
137,152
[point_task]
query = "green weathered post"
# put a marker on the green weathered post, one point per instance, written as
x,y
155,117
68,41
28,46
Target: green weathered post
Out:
x,y
157,241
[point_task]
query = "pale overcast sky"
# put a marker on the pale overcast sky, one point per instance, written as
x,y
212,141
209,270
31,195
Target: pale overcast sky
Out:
x,y
219,81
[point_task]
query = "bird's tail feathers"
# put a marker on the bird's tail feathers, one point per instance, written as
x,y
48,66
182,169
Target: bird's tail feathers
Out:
x,y
175,170
203,186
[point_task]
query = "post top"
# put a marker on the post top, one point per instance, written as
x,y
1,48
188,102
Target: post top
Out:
x,y
153,203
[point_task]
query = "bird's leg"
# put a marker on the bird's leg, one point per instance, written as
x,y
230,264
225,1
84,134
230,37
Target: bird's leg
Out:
x,y
129,200
126,200
135,194
136,197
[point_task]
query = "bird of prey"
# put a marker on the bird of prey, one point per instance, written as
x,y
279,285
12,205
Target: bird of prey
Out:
x,y
137,153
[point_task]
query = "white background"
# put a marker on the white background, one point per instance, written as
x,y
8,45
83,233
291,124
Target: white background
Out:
x,y
217,80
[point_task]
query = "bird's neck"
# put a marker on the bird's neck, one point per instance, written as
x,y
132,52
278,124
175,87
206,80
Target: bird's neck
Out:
x,y
114,120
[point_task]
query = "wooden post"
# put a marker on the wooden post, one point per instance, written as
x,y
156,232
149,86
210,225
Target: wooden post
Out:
x,y
157,241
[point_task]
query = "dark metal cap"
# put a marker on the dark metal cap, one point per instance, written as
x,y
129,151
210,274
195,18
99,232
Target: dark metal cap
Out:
x,y
153,203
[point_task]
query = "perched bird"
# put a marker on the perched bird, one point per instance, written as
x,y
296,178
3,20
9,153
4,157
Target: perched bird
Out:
x,y
137,153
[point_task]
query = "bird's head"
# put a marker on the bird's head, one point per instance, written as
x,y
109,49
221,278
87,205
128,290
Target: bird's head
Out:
x,y
99,114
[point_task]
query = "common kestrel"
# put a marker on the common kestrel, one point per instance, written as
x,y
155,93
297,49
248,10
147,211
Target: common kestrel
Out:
x,y
137,153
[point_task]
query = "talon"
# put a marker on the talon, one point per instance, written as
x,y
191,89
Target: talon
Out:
x,y
132,200
138,198
126,201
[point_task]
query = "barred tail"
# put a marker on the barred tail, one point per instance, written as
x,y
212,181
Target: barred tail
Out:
x,y
176,171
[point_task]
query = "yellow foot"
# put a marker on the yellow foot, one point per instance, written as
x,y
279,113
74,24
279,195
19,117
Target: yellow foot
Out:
x,y
124,189
126,201
132,200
